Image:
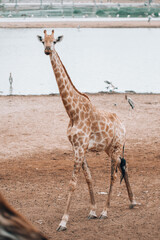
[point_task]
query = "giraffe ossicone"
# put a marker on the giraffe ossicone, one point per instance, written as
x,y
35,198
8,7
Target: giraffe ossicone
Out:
x,y
88,129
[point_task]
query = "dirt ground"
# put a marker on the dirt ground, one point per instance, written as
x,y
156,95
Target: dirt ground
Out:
x,y
36,162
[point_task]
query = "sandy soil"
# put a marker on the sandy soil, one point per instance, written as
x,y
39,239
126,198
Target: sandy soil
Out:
x,y
81,24
36,165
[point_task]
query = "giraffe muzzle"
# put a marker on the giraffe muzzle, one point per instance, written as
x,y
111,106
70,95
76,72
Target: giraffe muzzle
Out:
x,y
47,50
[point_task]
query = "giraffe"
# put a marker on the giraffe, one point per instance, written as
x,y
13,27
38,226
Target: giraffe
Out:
x,y
14,226
88,129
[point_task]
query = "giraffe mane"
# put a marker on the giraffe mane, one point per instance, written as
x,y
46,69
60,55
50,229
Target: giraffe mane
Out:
x,y
82,94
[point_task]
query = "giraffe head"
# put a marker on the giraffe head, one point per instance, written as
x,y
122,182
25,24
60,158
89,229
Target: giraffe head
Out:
x,y
49,41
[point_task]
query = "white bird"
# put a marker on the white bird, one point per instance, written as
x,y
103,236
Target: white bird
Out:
x,y
10,14
130,101
110,85
107,82
10,79
149,18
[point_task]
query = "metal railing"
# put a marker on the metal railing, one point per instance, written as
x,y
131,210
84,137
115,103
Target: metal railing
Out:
x,y
77,1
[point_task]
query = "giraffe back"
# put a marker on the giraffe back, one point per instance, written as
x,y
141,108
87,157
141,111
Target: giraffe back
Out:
x,y
107,132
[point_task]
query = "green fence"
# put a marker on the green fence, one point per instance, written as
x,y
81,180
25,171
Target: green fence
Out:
x,y
79,11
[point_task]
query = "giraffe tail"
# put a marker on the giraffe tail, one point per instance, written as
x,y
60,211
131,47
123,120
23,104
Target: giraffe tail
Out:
x,y
122,166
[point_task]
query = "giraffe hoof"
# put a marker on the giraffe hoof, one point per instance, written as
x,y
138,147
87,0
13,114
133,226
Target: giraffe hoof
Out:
x,y
132,205
92,216
61,228
103,217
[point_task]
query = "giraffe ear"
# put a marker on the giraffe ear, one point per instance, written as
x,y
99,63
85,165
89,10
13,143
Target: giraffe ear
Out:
x,y
59,39
40,39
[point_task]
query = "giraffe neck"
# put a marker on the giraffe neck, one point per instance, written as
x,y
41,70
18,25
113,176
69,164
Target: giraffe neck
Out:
x,y
71,97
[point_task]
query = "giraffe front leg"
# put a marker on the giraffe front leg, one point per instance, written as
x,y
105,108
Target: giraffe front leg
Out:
x,y
88,177
79,156
72,186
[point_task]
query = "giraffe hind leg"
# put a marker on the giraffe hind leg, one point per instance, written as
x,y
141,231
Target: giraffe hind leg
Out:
x,y
121,164
124,172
